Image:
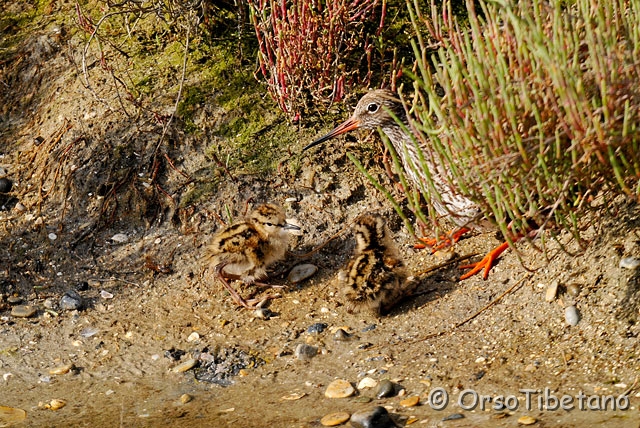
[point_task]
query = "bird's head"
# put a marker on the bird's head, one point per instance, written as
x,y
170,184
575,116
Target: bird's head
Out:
x,y
370,232
270,219
372,112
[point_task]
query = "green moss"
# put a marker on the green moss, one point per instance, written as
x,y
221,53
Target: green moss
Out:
x,y
15,27
198,191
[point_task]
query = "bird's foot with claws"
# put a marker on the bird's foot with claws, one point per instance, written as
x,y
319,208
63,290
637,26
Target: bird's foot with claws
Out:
x,y
443,241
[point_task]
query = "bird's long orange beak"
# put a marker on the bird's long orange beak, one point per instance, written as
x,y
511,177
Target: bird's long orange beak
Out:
x,y
346,126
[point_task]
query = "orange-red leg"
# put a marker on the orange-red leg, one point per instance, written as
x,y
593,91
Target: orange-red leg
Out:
x,y
442,242
486,262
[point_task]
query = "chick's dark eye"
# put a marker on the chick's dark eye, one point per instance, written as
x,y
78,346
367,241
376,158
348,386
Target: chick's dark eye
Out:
x,y
372,108
268,224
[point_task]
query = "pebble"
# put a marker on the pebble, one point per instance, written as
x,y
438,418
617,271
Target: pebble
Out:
x,y
526,420
56,404
301,272
53,236
185,398
571,315
333,419
89,331
367,382
71,301
186,365
362,399
339,388
120,238
193,337
11,415
49,304
5,185
386,388
453,417
23,311
341,336
61,370
573,290
410,401
293,396
552,291
629,263
316,328
106,295
20,208
14,300
305,352
369,328
378,417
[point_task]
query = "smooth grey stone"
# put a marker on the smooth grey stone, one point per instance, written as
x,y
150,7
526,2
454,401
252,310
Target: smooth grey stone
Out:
x,y
71,301
378,417
386,388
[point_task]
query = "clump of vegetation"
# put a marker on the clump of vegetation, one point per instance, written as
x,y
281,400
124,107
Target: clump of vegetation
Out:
x,y
541,106
310,51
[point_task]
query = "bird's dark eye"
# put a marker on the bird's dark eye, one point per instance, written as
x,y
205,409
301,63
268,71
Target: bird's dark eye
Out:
x,y
372,108
268,224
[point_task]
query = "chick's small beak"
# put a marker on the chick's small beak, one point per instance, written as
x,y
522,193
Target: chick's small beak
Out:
x,y
289,226
346,126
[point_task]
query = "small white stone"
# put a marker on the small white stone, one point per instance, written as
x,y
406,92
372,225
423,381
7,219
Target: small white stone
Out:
x,y
367,382
193,337
301,272
552,290
629,263
157,241
53,236
571,315
480,360
120,238
106,295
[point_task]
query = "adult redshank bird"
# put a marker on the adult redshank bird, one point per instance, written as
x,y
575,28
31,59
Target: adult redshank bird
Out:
x,y
376,110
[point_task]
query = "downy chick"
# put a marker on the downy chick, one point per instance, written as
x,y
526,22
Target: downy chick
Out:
x,y
245,249
375,278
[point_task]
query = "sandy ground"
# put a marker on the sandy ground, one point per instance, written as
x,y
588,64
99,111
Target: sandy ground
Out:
x,y
151,304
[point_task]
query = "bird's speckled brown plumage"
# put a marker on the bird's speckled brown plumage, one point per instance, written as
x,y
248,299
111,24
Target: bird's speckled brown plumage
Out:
x,y
377,109
375,278
245,249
